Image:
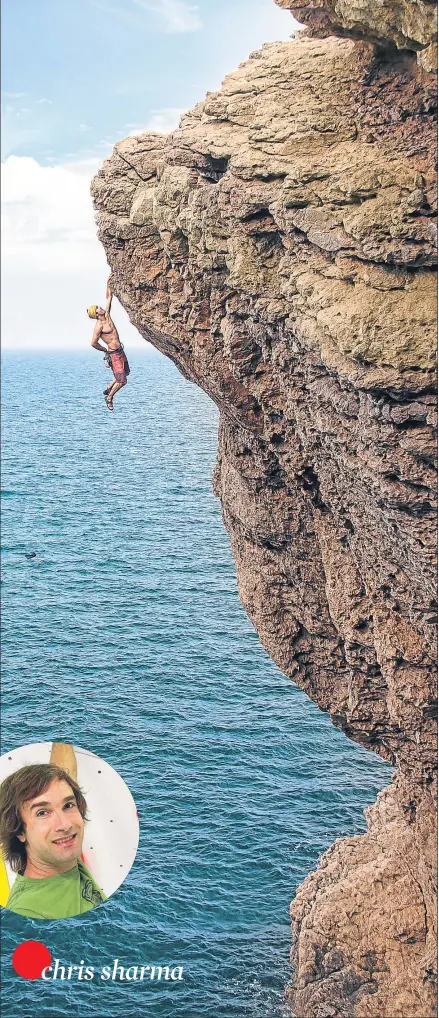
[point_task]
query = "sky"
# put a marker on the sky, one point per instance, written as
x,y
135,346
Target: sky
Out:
x,y
78,75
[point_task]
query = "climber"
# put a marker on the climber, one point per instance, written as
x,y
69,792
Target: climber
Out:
x,y
115,357
41,839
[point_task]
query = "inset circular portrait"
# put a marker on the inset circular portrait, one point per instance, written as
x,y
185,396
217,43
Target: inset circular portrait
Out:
x,y
69,830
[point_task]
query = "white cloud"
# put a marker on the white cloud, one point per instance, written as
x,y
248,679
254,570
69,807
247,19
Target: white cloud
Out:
x,y
163,121
177,15
53,266
14,95
44,101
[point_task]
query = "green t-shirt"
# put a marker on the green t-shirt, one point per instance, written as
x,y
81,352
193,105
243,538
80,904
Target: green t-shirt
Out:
x,y
61,897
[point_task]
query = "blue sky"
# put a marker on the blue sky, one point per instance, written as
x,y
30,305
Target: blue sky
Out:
x,y
77,76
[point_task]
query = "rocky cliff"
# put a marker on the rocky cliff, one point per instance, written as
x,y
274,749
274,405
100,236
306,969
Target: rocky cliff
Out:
x,y
279,247
407,24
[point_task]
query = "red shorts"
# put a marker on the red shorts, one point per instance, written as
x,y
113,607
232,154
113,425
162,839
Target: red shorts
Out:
x,y
120,366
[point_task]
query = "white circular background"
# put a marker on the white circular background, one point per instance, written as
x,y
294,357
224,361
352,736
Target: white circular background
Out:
x,y
111,835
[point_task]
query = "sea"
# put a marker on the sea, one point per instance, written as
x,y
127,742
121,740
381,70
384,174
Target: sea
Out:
x,y
129,640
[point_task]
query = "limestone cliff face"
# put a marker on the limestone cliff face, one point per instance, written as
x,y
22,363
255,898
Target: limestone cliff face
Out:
x,y
279,247
407,24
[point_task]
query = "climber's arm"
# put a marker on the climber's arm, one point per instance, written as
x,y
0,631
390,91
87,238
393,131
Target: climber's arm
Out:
x,y
95,338
108,298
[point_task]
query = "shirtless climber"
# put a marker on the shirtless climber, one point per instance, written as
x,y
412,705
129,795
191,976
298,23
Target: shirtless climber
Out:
x,y
115,357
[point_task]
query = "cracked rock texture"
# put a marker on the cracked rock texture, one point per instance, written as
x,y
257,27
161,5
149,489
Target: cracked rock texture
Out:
x,y
407,24
279,247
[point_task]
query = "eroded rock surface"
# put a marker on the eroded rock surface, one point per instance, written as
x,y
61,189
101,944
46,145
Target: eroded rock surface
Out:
x,y
279,247
407,24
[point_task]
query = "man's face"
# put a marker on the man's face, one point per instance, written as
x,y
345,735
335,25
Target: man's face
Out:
x,y
53,827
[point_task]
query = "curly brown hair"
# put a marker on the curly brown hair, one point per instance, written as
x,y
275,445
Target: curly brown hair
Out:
x,y
18,788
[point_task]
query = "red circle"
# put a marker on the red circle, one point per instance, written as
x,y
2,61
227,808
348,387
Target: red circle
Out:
x,y
30,959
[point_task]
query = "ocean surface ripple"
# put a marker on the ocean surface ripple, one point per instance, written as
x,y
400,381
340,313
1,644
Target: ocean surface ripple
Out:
x,y
129,640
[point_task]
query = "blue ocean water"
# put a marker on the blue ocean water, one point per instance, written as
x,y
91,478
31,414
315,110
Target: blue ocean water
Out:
x,y
129,640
